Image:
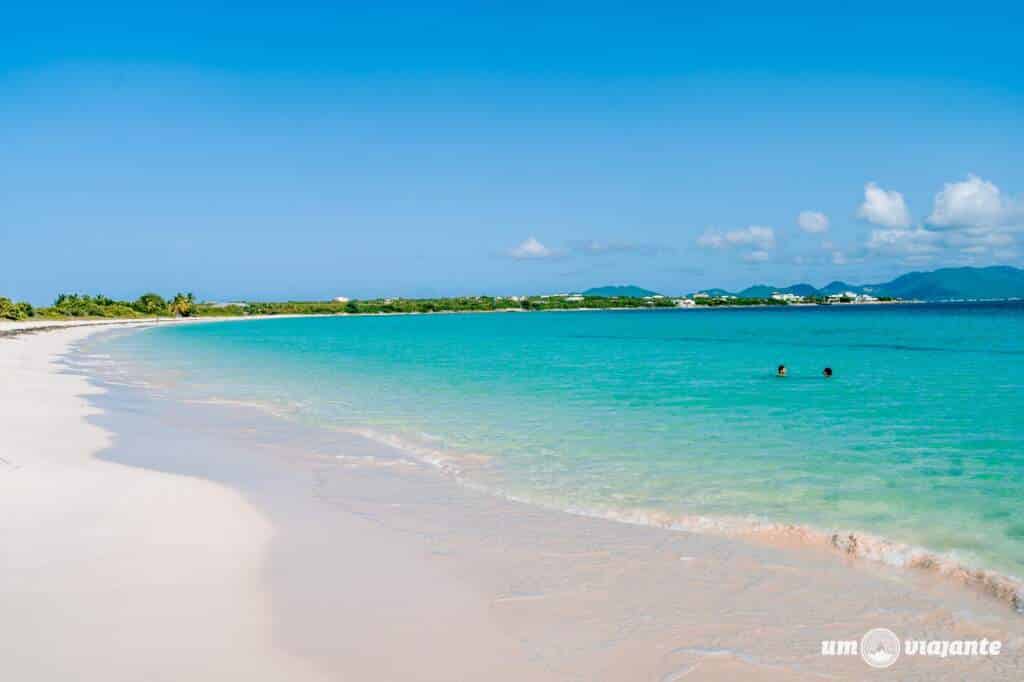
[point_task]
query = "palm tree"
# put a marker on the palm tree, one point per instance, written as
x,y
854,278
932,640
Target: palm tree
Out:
x,y
150,304
181,305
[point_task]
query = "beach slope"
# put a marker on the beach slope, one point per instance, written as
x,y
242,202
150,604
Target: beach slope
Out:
x,y
113,572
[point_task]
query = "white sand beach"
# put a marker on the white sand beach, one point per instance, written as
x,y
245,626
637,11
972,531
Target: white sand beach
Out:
x,y
197,542
118,573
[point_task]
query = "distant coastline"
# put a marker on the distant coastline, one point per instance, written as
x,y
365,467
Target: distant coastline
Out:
x,y
997,283
20,325
153,306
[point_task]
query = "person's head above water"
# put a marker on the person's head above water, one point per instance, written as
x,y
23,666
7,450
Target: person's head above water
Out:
x,y
827,372
781,371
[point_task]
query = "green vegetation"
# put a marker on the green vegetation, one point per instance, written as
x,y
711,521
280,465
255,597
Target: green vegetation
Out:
x,y
627,291
994,282
83,305
713,302
208,310
730,300
439,305
185,305
181,305
10,310
150,304
947,283
100,306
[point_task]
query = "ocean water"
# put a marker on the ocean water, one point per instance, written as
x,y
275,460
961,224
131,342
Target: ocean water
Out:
x,y
918,437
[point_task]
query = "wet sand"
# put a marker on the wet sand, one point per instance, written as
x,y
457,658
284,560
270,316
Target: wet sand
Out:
x,y
335,557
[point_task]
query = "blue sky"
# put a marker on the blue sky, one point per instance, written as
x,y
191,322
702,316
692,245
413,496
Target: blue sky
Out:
x,y
314,150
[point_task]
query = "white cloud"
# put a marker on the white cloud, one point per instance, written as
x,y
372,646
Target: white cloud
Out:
x,y
975,218
884,207
918,245
913,245
812,221
839,258
971,221
980,241
594,247
754,235
531,249
759,239
972,203
711,240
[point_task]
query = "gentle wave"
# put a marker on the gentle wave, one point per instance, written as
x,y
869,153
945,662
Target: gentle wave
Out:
x,y
851,543
663,414
458,466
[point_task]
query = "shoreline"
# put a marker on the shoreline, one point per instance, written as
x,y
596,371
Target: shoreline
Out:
x,y
12,328
847,543
16,327
374,499
855,543
106,566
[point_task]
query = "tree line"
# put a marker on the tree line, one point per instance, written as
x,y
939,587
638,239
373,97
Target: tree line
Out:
x,y
84,305
185,305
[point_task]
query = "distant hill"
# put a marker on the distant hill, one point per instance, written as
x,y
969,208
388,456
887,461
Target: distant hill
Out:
x,y
956,283
628,291
800,290
995,282
757,291
838,287
765,291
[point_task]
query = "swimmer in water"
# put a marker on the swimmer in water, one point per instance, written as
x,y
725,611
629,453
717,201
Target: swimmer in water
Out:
x,y
781,371
827,372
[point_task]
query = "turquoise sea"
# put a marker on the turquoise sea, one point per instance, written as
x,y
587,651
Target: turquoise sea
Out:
x,y
918,437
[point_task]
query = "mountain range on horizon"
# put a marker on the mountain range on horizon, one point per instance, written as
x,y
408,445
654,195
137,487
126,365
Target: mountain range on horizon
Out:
x,y
944,284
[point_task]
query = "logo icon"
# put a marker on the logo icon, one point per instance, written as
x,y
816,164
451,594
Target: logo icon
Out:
x,y
880,647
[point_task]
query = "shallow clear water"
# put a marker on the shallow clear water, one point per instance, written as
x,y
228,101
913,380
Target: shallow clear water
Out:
x,y
918,436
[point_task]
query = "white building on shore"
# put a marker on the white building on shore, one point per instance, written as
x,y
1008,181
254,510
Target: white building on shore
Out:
x,y
849,296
